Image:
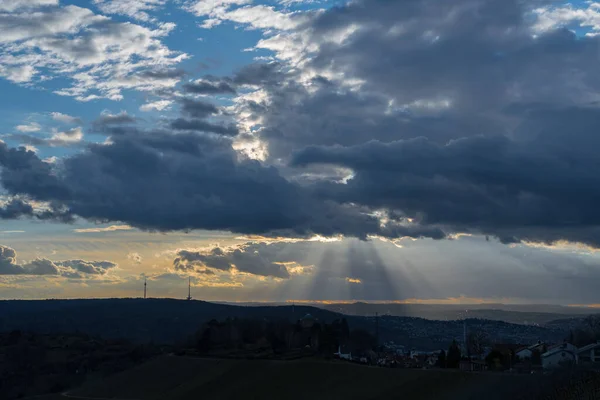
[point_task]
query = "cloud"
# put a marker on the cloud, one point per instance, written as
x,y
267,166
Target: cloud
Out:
x,y
137,9
65,118
111,228
135,257
69,138
203,126
15,209
377,89
198,108
99,56
242,259
106,121
74,269
31,127
372,123
88,267
255,16
166,74
208,87
158,180
71,135
13,5
159,105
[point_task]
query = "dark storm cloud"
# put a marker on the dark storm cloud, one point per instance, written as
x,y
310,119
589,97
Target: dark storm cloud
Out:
x,y
203,126
208,87
452,116
15,209
494,184
24,173
198,108
427,68
43,266
259,74
161,181
463,120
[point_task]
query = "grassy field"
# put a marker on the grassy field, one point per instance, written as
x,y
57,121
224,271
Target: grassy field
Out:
x,y
181,378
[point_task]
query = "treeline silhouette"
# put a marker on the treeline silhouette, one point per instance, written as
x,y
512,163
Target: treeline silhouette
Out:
x,y
262,338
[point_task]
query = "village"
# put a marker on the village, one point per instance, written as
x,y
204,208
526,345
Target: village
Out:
x,y
508,357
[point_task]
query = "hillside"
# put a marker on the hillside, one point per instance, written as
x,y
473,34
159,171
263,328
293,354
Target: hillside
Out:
x,y
516,314
180,378
158,320
168,321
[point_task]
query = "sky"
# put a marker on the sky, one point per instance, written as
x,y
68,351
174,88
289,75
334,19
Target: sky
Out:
x,y
294,150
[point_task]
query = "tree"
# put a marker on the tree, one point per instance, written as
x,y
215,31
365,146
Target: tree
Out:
x,y
442,359
362,341
344,331
536,357
495,360
453,356
477,340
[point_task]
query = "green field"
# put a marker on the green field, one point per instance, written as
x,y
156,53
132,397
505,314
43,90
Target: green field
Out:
x,y
182,378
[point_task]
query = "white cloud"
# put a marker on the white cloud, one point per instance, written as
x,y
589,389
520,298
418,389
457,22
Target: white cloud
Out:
x,y
100,56
239,11
263,17
12,5
65,118
29,147
45,23
71,135
213,7
50,160
136,9
135,257
159,105
111,228
554,17
31,127
19,74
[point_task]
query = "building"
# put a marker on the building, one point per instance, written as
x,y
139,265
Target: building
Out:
x,y
472,365
565,345
559,356
589,354
527,352
343,353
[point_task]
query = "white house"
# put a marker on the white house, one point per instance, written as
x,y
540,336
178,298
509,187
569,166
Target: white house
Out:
x,y
526,352
566,346
558,356
589,354
343,356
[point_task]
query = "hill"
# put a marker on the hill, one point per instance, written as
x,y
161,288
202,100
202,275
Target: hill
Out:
x,y
168,321
515,313
181,378
157,320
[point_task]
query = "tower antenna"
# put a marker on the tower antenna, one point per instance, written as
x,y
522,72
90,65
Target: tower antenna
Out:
x,y
189,288
145,284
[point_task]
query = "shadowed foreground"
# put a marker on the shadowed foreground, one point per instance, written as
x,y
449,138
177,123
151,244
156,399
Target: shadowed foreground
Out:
x,y
181,378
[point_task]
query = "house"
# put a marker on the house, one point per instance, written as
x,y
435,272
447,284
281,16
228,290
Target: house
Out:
x,y
589,354
343,354
472,365
564,345
558,356
527,352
